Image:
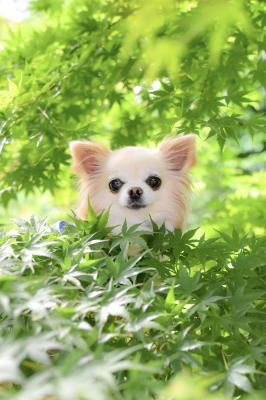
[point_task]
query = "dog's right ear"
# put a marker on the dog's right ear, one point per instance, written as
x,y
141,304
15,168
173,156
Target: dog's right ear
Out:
x,y
179,152
88,157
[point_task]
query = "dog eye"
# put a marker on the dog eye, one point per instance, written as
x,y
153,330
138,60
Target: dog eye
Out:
x,y
154,182
115,185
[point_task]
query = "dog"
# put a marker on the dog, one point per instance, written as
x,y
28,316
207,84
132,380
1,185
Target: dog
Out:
x,y
136,184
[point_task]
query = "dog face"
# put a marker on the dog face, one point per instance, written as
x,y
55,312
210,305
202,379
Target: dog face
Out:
x,y
133,178
136,183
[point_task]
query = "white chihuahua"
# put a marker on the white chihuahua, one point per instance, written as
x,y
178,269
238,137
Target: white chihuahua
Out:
x,y
136,183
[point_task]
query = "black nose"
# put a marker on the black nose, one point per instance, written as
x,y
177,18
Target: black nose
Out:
x,y
135,193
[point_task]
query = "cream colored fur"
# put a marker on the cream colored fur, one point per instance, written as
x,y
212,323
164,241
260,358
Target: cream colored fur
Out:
x,y
96,165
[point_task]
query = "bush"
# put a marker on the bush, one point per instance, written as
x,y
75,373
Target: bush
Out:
x,y
82,320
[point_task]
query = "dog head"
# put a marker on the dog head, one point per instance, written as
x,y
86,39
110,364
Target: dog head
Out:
x,y
136,183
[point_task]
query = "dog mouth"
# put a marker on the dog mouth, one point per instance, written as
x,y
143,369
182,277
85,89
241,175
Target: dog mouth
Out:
x,y
135,206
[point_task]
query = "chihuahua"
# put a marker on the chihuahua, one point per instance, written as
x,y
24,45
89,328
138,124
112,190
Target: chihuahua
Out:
x,y
136,184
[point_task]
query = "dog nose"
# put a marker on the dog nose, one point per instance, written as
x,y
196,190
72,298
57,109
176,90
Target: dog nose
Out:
x,y
135,193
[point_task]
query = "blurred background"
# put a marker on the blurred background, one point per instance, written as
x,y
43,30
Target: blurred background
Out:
x,y
128,73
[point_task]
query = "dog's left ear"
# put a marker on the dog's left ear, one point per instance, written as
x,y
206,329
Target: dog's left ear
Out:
x,y
179,152
88,157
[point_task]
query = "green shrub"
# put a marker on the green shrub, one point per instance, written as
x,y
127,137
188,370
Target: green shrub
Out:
x,y
82,320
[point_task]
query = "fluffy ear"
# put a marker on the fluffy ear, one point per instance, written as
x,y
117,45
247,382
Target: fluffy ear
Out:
x,y
179,152
87,157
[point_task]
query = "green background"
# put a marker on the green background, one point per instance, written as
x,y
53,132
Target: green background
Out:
x,y
185,318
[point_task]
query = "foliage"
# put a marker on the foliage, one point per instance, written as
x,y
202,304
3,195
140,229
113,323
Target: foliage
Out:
x,y
128,72
82,320
229,191
185,317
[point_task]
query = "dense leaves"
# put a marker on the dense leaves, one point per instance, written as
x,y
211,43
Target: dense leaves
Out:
x,y
127,72
167,316
82,320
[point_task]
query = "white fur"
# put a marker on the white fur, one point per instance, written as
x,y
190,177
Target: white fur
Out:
x,y
133,165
